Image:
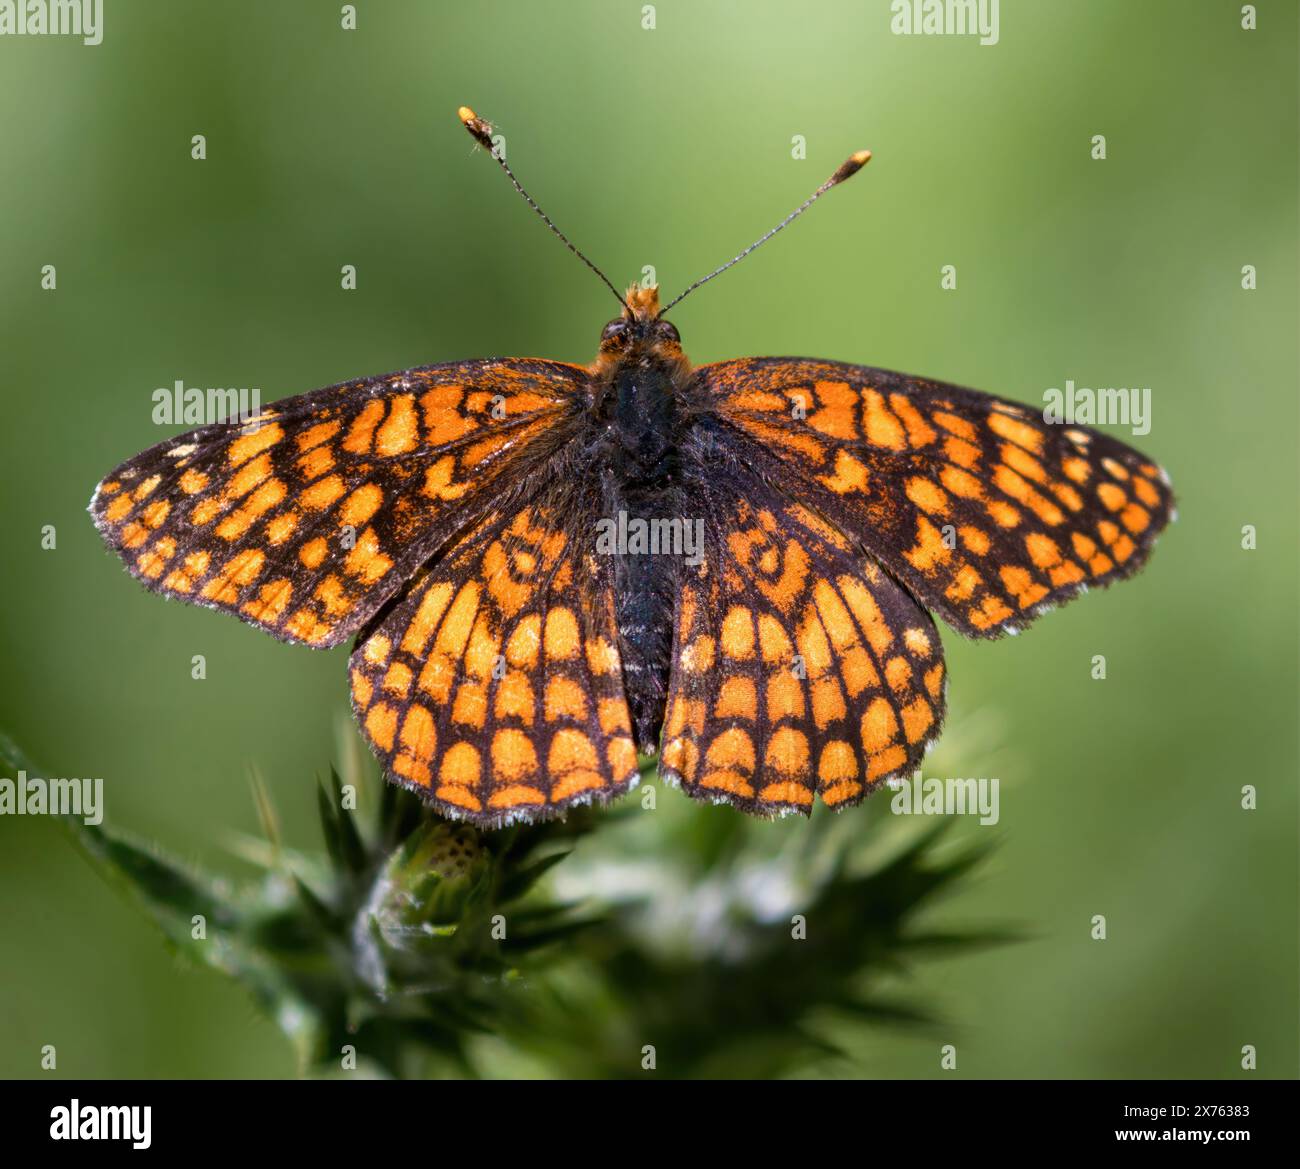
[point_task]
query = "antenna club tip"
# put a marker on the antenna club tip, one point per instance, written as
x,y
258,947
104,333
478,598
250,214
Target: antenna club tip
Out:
x,y
851,165
479,130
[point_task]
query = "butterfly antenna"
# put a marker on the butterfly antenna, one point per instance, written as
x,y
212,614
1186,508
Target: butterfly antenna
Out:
x,y
850,167
481,132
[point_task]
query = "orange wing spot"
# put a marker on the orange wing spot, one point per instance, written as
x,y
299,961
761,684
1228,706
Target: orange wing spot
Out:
x,y
400,431
156,512
964,583
312,554
322,493
784,697
118,508
1013,429
438,481
146,488
1068,496
460,767
362,690
837,418
1002,514
248,445
917,719
1133,517
1023,463
365,560
799,443
1043,550
1109,531
575,782
929,549
1100,564
1021,585
271,601
524,646
251,474
1117,469
516,795
961,452
960,483
620,754
1065,574
408,767
419,735
919,432
682,756
242,518
240,570
917,642
786,792
882,426
1145,491
192,481
975,540
728,781
320,433
989,613
879,636
110,487
515,698
1112,496
513,756
849,476
738,633
828,703
731,749
697,658
363,426
737,698
334,600
772,641
134,534
571,750
361,504
306,626
152,563
1123,549
280,528
561,638
887,761
203,512
471,706
879,726
1019,490
934,680
761,402
377,649
564,698
614,717
1077,469
927,496
316,462
955,425
837,764
381,725
398,680
898,673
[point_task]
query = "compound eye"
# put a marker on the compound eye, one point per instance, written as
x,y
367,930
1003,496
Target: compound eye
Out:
x,y
668,331
614,331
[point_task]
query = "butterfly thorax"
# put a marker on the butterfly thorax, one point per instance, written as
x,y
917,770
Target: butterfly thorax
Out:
x,y
639,377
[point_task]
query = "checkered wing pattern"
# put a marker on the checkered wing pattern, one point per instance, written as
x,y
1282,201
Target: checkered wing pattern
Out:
x,y
986,513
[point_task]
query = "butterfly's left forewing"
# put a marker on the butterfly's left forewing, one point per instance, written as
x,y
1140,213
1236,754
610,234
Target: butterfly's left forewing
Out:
x,y
986,512
304,519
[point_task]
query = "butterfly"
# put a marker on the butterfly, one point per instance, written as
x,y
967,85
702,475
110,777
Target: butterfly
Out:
x,y
548,568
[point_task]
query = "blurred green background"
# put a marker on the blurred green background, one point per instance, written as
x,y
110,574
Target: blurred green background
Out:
x,y
672,147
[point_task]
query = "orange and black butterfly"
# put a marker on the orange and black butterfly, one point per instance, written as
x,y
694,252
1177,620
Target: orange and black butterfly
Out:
x,y
487,532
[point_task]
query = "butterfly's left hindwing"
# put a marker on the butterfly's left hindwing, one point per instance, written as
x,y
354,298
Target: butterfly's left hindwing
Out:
x,y
307,517
494,685
988,514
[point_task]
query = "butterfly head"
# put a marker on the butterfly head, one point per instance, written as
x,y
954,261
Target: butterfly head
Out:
x,y
640,329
